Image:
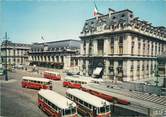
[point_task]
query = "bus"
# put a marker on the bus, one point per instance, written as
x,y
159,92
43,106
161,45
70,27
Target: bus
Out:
x,y
36,83
56,105
52,75
74,82
77,82
104,94
88,104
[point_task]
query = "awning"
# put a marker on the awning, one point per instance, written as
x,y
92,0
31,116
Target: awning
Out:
x,y
97,71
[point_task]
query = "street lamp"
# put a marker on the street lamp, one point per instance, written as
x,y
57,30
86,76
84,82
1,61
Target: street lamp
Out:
x,y
6,73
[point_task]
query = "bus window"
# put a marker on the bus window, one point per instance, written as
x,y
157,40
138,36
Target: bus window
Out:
x,y
107,108
80,101
86,104
90,106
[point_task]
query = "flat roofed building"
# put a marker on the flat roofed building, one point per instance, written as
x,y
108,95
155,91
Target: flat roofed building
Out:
x,y
124,46
17,53
55,54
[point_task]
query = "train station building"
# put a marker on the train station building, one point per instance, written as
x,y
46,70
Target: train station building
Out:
x,y
120,46
55,54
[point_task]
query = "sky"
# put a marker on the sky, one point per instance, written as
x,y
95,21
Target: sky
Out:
x,y
27,20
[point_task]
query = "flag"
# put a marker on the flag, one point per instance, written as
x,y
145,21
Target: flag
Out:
x,y
95,11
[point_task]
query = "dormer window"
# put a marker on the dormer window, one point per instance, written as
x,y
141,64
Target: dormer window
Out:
x,y
131,16
123,15
114,17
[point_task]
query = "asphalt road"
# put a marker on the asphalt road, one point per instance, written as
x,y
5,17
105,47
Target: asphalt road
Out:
x,y
17,101
22,102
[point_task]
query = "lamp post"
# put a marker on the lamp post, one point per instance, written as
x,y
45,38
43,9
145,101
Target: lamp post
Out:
x,y
6,73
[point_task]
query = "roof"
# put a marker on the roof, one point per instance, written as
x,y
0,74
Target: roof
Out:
x,y
52,72
77,79
71,43
87,97
57,99
83,78
35,78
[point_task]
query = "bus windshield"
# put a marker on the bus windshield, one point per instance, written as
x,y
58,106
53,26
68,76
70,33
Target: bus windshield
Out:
x,y
104,109
69,111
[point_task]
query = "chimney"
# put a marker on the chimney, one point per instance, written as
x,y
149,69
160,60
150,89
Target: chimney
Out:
x,y
110,11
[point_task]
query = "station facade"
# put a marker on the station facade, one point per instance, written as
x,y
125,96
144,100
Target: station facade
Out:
x,y
122,45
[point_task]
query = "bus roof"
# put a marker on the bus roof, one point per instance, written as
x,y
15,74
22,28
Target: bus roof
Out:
x,y
57,99
89,98
36,79
82,78
52,72
76,79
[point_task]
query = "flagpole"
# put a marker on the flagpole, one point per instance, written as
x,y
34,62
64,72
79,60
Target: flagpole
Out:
x,y
95,4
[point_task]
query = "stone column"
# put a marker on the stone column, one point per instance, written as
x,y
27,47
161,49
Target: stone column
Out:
x,y
67,62
141,73
153,48
125,44
87,47
106,47
141,47
115,70
60,59
150,48
55,58
95,47
87,69
136,46
135,70
80,66
116,43
106,70
128,46
124,70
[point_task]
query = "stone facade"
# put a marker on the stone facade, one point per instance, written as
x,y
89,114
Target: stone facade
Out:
x,y
55,54
17,53
124,46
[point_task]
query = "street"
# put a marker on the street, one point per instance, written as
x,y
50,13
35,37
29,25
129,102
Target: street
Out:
x,y
17,101
22,102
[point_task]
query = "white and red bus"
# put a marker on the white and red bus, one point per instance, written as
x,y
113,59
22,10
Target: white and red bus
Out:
x,y
52,75
104,94
88,104
74,82
36,83
56,105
